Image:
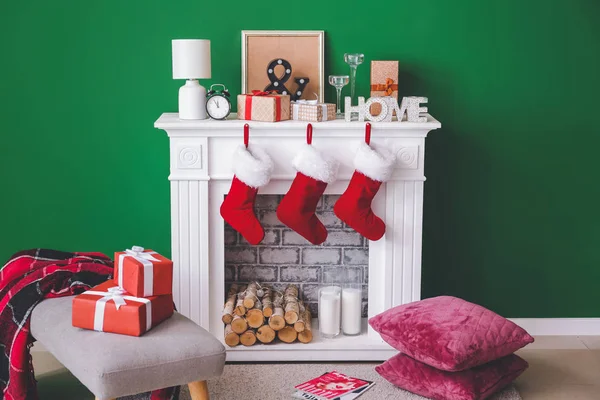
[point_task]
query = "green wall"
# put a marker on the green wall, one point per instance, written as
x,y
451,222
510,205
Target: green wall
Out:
x,y
511,209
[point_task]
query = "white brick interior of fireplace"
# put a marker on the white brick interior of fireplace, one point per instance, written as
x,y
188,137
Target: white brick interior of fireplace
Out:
x,y
284,257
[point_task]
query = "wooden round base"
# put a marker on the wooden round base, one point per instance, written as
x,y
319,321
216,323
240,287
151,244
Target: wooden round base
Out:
x,y
232,339
305,336
287,334
248,338
277,322
248,302
239,325
299,326
291,317
255,318
240,311
265,334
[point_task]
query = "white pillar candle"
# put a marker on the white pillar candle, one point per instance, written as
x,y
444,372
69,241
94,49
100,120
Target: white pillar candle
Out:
x,y
329,311
351,311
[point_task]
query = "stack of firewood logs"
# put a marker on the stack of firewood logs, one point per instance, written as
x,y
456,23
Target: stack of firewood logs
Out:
x,y
258,313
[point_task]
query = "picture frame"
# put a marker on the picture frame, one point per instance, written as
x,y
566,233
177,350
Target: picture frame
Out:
x,y
305,51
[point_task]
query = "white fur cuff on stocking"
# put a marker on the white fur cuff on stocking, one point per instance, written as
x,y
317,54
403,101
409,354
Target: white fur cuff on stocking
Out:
x,y
377,164
311,162
252,165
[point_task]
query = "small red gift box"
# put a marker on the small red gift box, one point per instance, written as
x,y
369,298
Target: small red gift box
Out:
x,y
143,273
108,308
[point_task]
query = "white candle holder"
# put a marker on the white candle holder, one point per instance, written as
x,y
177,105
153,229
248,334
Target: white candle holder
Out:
x,y
330,311
352,309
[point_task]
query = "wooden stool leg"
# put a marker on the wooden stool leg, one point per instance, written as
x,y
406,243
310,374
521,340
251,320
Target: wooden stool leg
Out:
x,y
198,390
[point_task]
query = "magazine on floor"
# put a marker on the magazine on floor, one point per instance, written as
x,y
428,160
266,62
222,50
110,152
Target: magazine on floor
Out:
x,y
332,386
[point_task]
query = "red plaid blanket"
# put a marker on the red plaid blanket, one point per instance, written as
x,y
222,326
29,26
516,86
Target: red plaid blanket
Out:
x,y
25,280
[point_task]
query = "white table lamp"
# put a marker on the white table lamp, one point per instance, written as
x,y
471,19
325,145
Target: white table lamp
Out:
x,y
191,61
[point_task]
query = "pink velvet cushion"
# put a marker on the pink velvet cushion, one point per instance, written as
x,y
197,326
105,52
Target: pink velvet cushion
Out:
x,y
473,384
449,333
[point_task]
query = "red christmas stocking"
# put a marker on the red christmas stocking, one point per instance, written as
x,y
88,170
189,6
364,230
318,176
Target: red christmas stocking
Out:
x,y
354,206
297,208
252,168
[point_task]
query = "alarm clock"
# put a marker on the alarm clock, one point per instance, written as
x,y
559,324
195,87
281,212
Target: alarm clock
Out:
x,y
218,105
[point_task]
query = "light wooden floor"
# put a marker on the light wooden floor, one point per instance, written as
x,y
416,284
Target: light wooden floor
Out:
x,y
560,368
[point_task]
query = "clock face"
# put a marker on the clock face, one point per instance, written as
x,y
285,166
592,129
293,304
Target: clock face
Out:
x,y
218,107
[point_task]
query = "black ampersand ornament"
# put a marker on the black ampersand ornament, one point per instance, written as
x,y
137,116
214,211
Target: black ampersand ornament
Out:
x,y
278,82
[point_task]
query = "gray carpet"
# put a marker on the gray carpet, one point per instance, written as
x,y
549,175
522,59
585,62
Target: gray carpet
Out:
x,y
252,382
276,382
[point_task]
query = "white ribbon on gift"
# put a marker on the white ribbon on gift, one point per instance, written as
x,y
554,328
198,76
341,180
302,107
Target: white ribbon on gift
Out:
x,y
116,294
146,259
313,102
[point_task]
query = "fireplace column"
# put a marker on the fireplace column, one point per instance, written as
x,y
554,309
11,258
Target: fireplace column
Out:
x,y
190,227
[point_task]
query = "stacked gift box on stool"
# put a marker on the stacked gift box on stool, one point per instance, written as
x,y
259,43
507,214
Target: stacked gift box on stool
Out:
x,y
136,300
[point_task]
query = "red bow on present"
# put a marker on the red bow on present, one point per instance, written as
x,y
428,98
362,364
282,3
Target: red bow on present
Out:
x,y
259,93
248,113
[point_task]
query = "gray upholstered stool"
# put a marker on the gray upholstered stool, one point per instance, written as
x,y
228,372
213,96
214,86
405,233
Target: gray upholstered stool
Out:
x,y
176,352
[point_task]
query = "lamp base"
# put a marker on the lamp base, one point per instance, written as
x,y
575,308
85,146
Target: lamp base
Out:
x,y
192,100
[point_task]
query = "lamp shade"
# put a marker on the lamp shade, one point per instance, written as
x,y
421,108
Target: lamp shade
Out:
x,y
191,59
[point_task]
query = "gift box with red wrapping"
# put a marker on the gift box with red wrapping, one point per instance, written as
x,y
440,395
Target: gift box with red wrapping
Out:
x,y
108,308
263,106
143,272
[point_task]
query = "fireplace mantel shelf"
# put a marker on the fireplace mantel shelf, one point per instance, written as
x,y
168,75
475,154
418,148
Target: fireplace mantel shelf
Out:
x,y
171,123
200,174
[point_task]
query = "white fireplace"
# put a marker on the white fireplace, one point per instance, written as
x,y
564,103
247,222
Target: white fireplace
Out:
x,y
200,153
